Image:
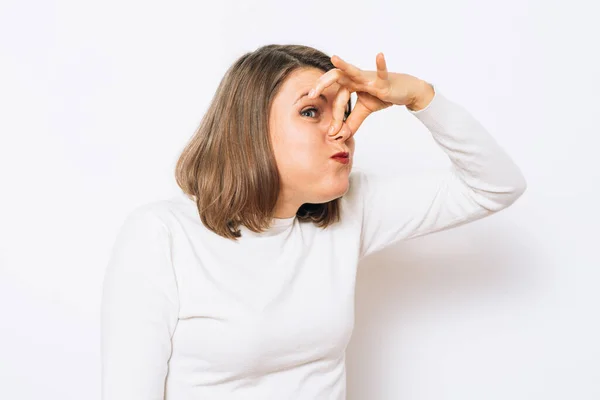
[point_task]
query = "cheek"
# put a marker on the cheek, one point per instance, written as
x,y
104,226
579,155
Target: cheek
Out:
x,y
299,155
298,141
299,151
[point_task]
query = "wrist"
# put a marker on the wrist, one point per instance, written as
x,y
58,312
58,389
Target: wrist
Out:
x,y
422,97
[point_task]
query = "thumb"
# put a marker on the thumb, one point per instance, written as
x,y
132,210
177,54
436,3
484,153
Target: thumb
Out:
x,y
358,114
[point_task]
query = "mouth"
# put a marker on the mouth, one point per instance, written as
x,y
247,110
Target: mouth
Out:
x,y
341,155
343,158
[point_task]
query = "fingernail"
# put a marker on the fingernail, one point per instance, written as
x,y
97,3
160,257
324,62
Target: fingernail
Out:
x,y
311,93
331,129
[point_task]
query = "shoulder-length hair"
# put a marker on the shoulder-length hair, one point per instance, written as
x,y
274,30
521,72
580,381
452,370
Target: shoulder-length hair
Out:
x,y
228,166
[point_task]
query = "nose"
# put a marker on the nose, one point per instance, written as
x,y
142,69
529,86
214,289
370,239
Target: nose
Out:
x,y
344,133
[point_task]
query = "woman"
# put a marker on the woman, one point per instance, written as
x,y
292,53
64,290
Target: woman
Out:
x,y
242,287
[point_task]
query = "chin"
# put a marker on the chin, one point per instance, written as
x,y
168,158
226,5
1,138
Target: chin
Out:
x,y
336,190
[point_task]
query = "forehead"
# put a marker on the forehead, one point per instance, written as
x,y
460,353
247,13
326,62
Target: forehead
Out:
x,y
302,80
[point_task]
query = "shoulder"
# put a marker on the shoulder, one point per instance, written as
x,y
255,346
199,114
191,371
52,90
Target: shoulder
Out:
x,y
352,201
155,212
144,220
359,181
167,213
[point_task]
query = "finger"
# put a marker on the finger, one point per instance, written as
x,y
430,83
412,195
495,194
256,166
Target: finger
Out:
x,y
351,70
382,72
339,107
357,116
329,78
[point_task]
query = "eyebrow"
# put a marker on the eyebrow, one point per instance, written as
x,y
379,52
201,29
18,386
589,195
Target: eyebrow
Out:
x,y
322,96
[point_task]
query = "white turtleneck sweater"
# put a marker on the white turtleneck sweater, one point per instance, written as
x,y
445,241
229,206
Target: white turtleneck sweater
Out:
x,y
187,314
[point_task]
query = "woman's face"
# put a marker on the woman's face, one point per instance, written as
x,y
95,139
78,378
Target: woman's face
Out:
x,y
303,148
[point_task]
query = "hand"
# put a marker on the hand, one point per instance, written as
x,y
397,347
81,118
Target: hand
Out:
x,y
375,90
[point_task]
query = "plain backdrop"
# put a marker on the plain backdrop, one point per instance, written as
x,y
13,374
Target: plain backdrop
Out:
x,y
97,99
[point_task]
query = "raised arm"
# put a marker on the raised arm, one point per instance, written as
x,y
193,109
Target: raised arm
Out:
x,y
482,179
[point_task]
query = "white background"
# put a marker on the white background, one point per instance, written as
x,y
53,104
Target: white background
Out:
x,y
97,99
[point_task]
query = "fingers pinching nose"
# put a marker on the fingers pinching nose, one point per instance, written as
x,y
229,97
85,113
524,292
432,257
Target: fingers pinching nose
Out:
x,y
332,130
343,129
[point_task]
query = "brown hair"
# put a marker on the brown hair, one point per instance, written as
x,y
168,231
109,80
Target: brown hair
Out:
x,y
229,165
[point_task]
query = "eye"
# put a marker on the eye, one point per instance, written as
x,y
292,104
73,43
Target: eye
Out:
x,y
346,113
309,109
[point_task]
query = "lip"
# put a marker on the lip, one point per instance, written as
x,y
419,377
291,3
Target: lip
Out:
x,y
342,157
343,160
341,154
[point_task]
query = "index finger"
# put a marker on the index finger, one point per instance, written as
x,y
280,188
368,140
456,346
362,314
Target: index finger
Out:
x,y
327,79
352,70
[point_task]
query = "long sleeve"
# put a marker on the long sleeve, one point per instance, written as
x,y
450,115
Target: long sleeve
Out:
x,y
140,306
482,179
